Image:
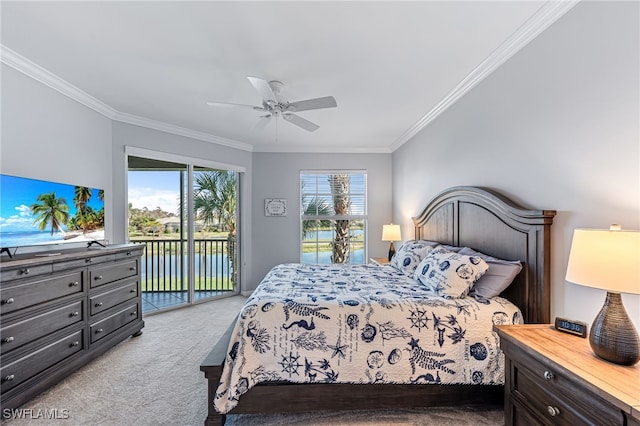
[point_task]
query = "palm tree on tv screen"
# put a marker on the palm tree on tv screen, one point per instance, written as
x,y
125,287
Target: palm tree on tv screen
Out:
x,y
51,210
81,196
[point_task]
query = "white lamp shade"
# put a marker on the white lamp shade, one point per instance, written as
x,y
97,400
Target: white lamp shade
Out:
x,y
605,259
391,232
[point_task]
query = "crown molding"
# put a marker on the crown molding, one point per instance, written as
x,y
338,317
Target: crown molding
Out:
x,y
551,11
46,77
49,79
321,149
179,131
548,13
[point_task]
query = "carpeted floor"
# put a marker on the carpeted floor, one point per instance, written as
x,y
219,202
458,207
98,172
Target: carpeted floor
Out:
x,y
155,379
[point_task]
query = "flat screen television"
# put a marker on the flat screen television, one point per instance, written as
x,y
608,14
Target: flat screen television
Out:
x,y
39,213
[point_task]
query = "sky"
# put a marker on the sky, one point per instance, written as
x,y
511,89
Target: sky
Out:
x,y
153,189
18,194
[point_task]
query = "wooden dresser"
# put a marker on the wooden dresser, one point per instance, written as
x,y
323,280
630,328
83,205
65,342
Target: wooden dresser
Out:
x,y
553,378
61,311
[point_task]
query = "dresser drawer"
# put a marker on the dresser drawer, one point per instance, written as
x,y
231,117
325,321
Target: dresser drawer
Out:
x,y
108,299
522,416
112,272
81,263
25,272
37,361
134,253
113,322
557,399
44,289
19,333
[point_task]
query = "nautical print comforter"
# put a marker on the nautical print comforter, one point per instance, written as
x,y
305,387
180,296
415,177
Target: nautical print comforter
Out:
x,y
360,324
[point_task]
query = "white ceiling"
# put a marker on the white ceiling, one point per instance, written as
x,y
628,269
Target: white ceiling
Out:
x,y
392,66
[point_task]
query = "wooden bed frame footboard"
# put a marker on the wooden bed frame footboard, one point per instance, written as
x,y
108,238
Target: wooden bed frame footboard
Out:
x,y
463,216
278,397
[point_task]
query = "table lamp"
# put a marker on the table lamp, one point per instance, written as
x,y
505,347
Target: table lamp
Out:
x,y
391,233
609,260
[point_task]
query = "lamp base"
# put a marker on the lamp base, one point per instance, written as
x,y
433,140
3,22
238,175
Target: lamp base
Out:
x,y
392,251
613,336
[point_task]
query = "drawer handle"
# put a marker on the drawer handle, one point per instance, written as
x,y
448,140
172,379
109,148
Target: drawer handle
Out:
x,y
133,313
98,331
24,271
128,253
74,284
7,339
98,278
74,343
8,378
133,290
98,304
74,314
553,411
133,268
89,260
8,301
548,375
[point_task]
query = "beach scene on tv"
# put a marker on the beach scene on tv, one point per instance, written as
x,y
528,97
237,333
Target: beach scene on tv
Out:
x,y
37,212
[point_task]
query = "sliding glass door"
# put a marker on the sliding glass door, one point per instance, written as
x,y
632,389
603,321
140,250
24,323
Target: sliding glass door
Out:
x,y
186,216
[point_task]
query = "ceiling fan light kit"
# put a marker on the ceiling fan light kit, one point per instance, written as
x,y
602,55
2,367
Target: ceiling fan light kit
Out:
x,y
274,104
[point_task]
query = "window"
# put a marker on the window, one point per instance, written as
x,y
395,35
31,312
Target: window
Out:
x,y
185,212
333,216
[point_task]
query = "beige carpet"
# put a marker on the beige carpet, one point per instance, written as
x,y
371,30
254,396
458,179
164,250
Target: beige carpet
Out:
x,y
155,379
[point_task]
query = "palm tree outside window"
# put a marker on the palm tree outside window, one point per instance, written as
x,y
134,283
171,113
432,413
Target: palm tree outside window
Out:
x,y
333,216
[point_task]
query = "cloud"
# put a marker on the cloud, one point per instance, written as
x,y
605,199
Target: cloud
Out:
x,y
152,198
24,210
16,223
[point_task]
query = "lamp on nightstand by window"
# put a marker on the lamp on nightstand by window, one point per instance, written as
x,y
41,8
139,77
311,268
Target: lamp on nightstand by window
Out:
x,y
609,260
391,233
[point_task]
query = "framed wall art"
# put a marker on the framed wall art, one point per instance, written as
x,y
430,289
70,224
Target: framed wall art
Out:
x,y
275,207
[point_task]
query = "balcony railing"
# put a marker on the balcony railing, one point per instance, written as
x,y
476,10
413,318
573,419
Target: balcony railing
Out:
x,y
164,265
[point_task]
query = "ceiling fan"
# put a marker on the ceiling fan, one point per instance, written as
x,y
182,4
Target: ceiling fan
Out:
x,y
274,104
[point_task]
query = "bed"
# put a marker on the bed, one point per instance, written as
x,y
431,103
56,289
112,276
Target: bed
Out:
x,y
471,217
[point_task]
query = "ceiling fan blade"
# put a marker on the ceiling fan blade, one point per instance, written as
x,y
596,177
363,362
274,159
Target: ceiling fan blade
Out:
x,y
300,122
227,104
317,103
262,86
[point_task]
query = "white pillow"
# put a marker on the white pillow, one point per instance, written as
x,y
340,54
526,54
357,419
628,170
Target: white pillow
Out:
x,y
410,254
500,275
449,274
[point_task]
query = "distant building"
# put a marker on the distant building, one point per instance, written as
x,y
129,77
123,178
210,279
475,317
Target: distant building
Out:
x,y
172,224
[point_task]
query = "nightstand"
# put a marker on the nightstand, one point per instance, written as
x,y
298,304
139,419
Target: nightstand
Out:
x,y
554,378
379,261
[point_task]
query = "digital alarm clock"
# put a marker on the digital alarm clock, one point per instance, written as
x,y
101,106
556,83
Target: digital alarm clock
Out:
x,y
576,328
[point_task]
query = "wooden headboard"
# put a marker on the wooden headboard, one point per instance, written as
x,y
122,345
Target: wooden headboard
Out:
x,y
491,223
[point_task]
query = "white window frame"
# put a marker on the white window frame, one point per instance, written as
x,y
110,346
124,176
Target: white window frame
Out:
x,y
359,217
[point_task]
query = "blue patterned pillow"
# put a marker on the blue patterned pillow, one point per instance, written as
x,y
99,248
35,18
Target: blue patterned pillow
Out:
x,y
410,254
448,274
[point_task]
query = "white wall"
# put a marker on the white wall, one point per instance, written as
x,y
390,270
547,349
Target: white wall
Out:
x,y
555,127
276,240
48,136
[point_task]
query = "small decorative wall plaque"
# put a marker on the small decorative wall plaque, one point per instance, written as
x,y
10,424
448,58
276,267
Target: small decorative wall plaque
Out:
x,y
275,207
